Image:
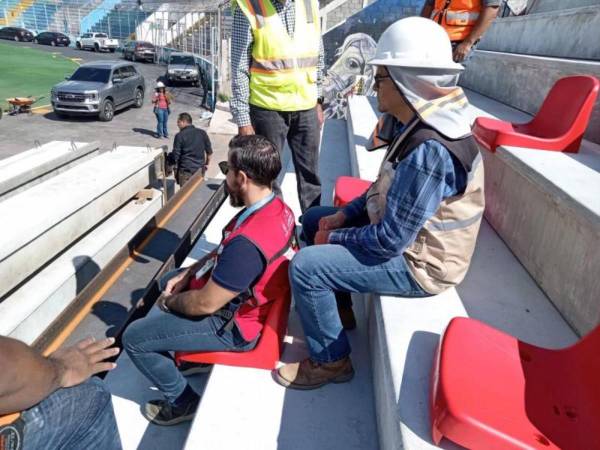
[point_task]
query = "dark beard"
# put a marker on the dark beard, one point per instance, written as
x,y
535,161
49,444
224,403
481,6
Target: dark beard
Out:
x,y
234,199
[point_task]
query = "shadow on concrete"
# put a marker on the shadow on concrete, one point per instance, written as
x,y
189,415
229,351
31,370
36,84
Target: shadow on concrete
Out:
x,y
145,132
79,118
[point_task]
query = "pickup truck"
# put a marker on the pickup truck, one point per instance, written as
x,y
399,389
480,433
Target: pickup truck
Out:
x,y
96,42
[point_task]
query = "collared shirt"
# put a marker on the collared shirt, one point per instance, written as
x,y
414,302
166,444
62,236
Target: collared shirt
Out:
x,y
241,58
190,147
428,175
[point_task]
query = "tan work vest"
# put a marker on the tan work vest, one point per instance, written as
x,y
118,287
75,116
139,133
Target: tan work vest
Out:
x,y
441,253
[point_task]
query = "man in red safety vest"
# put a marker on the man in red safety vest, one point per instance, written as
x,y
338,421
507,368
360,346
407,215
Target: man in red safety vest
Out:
x,y
221,302
465,21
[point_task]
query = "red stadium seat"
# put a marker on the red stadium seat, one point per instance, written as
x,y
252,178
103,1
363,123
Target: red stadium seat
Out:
x,y
268,350
559,124
491,391
348,188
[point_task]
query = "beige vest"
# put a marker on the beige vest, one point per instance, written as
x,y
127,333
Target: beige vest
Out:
x,y
440,255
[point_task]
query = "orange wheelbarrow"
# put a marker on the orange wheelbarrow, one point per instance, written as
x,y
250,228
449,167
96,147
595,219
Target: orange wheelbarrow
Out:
x,y
20,105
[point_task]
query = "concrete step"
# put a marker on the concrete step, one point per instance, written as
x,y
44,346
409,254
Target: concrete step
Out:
x,y
40,222
25,169
404,332
543,6
33,307
566,33
523,81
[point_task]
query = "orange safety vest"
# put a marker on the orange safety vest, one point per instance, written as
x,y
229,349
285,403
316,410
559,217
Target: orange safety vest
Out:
x,y
458,17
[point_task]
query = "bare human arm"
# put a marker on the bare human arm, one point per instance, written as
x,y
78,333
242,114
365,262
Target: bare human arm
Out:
x,y
427,10
486,17
27,377
199,302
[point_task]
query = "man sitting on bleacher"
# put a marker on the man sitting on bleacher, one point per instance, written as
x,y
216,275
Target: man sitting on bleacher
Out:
x,y
413,232
219,303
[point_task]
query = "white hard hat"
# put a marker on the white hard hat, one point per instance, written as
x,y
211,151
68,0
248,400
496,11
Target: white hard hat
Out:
x,y
160,84
415,42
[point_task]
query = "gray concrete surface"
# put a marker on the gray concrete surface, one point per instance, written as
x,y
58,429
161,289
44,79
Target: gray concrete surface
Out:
x,y
32,308
523,81
572,33
540,6
129,127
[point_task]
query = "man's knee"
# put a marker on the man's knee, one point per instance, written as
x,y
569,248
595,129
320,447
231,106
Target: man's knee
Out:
x,y
131,337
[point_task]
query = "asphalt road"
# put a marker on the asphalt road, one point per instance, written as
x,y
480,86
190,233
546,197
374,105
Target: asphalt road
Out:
x,y
129,127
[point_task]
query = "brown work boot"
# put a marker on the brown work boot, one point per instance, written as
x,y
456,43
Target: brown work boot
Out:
x,y
306,375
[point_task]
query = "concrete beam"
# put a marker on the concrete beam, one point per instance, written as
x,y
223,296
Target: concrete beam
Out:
x,y
40,222
523,81
542,6
36,304
29,168
573,34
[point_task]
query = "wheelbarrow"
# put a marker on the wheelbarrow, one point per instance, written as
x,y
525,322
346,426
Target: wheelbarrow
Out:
x,y
20,105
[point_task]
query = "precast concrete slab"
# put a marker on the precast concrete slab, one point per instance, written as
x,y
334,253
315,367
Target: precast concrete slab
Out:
x,y
32,307
31,167
559,5
40,222
523,81
567,33
361,119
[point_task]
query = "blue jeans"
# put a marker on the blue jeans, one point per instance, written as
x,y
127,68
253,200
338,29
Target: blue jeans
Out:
x,y
76,418
317,271
162,116
148,342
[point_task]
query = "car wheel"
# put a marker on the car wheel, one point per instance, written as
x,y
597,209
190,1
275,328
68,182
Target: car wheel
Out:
x,y
107,111
112,50
78,45
139,98
133,57
53,44
17,39
96,48
35,41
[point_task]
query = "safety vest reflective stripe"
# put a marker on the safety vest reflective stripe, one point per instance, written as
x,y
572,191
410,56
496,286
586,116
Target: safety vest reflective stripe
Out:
x,y
284,64
451,225
456,99
456,16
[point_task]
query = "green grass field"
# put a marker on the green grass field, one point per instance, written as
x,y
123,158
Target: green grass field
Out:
x,y
25,71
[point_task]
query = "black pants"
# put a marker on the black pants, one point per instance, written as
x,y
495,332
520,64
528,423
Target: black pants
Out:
x,y
301,131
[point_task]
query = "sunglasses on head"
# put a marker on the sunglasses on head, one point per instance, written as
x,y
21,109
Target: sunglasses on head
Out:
x,y
224,167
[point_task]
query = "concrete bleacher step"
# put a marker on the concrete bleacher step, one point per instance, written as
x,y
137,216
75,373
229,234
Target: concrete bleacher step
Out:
x,y
40,222
28,311
21,171
529,34
523,81
404,332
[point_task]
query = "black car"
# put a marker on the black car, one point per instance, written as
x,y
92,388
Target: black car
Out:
x,y
52,38
16,34
139,51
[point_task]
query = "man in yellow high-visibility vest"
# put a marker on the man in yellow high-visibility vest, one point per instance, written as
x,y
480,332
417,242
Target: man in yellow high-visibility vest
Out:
x,y
277,68
465,21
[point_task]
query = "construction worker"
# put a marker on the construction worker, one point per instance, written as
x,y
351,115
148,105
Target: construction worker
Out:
x,y
465,21
277,71
413,232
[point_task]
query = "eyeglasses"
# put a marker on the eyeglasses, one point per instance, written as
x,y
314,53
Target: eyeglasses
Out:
x,y
224,167
379,78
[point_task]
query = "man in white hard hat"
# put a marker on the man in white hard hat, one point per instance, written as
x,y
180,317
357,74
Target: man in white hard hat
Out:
x,y
413,233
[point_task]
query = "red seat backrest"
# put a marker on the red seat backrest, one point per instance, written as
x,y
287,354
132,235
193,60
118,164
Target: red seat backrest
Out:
x,y
569,103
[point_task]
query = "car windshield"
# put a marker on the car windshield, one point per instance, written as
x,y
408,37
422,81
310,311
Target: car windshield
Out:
x,y
145,45
91,74
181,59
102,35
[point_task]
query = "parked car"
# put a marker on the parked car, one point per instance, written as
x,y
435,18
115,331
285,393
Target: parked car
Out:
x,y
183,67
99,88
52,38
139,51
96,42
16,34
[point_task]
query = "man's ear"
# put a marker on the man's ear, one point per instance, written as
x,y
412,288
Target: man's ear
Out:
x,y
242,178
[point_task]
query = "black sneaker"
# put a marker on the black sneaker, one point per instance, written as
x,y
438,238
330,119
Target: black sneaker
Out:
x,y
188,368
161,412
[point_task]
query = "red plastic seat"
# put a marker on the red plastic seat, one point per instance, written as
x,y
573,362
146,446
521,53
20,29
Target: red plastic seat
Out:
x,y
348,188
491,391
268,350
559,124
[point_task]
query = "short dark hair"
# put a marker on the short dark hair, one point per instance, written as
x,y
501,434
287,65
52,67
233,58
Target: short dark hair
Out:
x,y
185,117
257,157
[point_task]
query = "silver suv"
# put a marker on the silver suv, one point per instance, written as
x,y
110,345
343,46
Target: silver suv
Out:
x,y
183,67
99,88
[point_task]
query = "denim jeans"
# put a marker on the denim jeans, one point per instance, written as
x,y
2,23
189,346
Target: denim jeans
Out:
x,y
162,116
148,342
317,271
301,130
76,418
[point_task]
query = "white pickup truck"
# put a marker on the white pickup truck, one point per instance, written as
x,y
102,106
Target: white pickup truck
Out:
x,y
96,42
